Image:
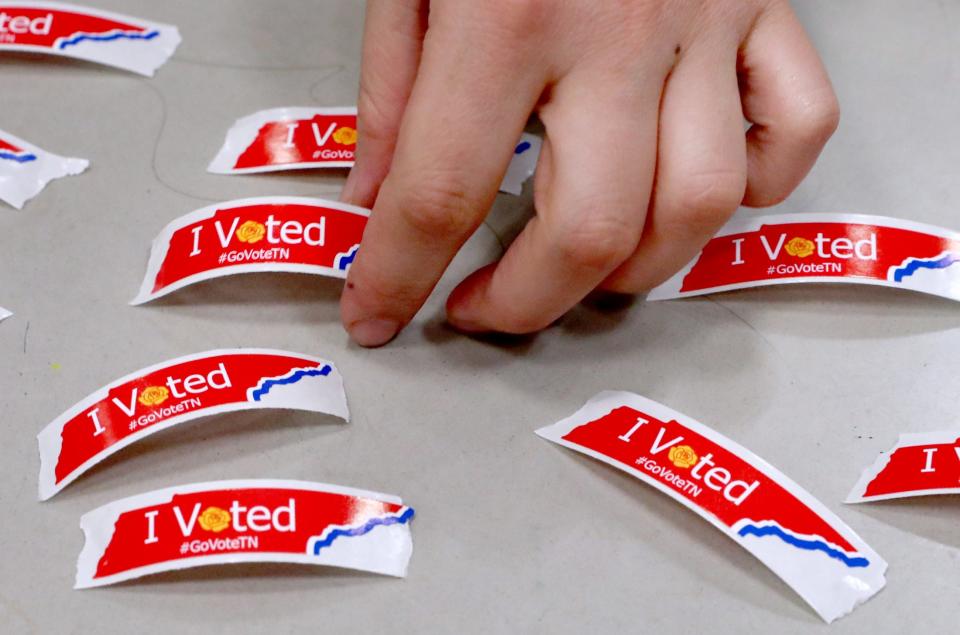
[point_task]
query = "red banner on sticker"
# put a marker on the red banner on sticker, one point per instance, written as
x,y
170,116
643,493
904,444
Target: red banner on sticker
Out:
x,y
282,234
57,28
752,252
187,388
919,465
244,521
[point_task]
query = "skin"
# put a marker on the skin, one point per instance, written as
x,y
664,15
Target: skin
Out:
x,y
646,154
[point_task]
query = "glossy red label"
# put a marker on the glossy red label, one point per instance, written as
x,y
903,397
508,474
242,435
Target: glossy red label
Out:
x,y
59,29
818,249
711,478
180,389
287,234
275,521
321,139
919,468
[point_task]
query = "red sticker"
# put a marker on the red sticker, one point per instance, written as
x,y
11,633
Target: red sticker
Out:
x,y
244,521
179,390
919,465
284,234
753,503
289,139
751,252
56,28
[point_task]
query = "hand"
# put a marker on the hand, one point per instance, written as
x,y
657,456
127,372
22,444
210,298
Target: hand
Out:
x,y
645,158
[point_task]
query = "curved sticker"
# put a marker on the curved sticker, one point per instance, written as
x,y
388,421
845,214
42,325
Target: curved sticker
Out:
x,y
57,28
179,390
918,465
759,251
26,169
310,138
289,234
738,492
244,521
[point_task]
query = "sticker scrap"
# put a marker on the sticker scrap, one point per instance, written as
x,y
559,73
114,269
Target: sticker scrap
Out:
x,y
921,464
848,248
182,389
84,33
244,521
753,503
4,314
26,169
279,234
310,138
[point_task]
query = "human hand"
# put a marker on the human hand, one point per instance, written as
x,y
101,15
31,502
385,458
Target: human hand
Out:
x,y
645,156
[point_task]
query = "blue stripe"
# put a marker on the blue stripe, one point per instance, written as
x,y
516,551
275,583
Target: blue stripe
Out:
x,y
915,265
107,38
811,545
258,393
18,158
347,260
522,147
369,526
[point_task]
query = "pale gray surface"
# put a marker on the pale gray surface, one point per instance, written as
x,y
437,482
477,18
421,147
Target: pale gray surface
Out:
x,y
512,534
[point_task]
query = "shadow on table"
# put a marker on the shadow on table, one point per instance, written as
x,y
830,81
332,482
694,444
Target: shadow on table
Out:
x,y
931,517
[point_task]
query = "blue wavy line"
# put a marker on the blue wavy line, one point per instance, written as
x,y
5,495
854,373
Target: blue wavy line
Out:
x,y
522,147
347,260
811,545
19,158
915,265
258,393
369,526
107,38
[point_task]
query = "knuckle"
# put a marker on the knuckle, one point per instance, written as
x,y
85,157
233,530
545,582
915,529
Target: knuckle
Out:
x,y
596,241
706,199
817,118
440,206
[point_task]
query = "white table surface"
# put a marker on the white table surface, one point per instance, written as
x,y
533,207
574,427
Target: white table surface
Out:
x,y
512,534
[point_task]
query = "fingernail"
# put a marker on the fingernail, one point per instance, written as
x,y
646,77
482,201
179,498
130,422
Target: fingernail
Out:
x,y
461,319
373,332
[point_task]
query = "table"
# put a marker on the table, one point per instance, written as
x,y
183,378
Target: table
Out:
x,y
512,534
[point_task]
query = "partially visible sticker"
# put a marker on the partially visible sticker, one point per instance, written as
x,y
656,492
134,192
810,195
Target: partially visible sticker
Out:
x,y
69,30
851,248
244,521
745,497
4,314
26,169
281,233
155,398
523,164
300,138
921,464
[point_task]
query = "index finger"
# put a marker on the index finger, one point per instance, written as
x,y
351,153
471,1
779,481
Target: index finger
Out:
x,y
465,114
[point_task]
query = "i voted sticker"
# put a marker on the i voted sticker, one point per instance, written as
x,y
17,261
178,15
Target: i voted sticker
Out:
x,y
742,495
281,234
57,28
26,169
849,248
300,138
921,464
244,521
182,389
